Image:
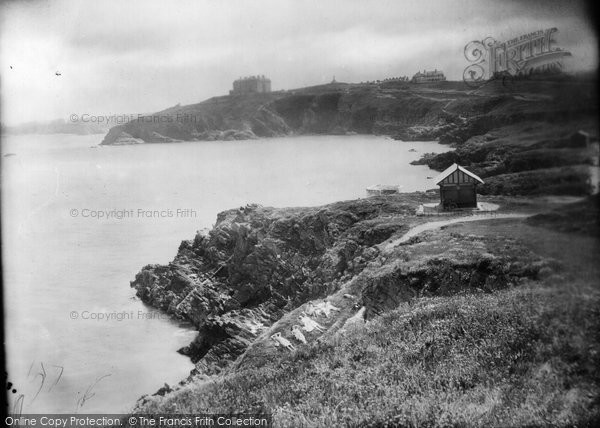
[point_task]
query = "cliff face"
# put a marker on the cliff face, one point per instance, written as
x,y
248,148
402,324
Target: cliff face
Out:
x,y
257,264
519,139
328,109
258,268
449,111
515,135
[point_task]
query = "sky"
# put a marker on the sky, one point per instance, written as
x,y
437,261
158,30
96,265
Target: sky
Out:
x,y
129,57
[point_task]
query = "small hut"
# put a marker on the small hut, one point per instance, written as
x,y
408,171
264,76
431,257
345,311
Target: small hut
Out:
x,y
458,187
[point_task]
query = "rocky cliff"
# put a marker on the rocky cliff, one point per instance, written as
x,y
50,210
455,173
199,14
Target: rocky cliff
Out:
x,y
328,109
258,268
449,111
515,135
519,139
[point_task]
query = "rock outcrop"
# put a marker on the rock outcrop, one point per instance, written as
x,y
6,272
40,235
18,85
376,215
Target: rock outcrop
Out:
x,y
123,138
257,269
497,131
410,112
257,264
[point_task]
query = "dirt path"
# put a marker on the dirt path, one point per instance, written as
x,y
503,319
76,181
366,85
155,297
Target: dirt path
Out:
x,y
437,224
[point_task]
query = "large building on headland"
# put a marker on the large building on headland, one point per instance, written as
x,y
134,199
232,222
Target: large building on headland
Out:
x,y
251,85
428,76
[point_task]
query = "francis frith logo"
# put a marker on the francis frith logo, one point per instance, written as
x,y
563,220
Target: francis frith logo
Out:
x,y
521,56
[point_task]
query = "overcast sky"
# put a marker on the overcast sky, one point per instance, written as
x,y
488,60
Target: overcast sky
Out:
x,y
122,57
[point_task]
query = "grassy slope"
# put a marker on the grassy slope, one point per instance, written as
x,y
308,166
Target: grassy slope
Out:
x,y
526,158
515,135
521,356
327,109
519,139
526,355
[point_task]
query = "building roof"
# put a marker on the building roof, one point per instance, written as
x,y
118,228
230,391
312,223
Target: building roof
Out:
x,y
453,168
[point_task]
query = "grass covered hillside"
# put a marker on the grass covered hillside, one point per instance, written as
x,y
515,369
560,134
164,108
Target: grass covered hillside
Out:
x,y
492,322
520,139
450,111
521,357
514,134
485,320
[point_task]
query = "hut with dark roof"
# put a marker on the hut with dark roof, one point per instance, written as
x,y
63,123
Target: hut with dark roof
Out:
x,y
458,187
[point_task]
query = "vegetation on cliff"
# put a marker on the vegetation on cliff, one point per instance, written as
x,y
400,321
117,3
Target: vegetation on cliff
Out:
x,y
259,263
385,109
515,135
328,109
487,323
520,357
520,140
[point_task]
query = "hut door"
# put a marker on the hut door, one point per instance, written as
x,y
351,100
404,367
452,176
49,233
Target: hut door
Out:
x,y
466,196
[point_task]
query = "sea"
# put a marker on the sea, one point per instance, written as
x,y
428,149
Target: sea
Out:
x,y
80,220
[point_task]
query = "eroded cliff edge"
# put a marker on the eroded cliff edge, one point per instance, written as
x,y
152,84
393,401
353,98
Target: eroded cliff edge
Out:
x,y
515,135
327,109
258,267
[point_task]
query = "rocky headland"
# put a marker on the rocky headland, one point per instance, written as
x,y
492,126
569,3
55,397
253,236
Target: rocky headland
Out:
x,y
465,311
259,265
449,111
260,269
516,135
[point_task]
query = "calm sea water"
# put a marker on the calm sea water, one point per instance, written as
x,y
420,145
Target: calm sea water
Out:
x,y
79,222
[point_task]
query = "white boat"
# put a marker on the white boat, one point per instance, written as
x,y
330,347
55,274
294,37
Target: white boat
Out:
x,y
383,189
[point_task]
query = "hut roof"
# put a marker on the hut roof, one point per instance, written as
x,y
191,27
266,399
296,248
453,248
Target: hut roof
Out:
x,y
453,168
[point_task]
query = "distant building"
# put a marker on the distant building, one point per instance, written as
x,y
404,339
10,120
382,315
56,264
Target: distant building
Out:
x,y
458,187
428,76
251,84
396,79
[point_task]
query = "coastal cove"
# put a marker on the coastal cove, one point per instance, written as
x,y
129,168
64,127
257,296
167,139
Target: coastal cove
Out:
x,y
77,337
